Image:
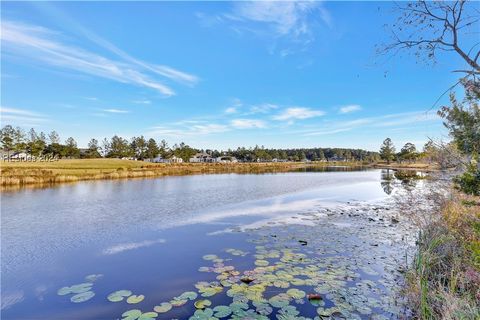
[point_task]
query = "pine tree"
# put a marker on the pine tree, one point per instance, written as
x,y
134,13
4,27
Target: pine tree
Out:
x,y
387,150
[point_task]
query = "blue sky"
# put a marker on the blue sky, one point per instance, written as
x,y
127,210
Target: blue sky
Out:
x,y
216,74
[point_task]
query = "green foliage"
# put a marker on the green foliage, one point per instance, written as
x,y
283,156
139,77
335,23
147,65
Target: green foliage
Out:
x,y
462,119
408,152
469,181
387,150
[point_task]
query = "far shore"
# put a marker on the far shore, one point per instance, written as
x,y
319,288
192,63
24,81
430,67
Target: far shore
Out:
x,y
19,174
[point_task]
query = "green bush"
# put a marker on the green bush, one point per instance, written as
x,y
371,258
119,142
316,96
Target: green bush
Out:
x,y
469,182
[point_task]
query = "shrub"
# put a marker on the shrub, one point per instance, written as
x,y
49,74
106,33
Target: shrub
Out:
x,y
469,181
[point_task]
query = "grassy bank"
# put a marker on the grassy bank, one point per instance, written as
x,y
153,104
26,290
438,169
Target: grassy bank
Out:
x,y
44,173
444,282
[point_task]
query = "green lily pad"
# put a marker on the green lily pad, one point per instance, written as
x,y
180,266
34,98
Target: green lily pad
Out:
x,y
93,277
148,316
131,314
222,311
82,297
135,299
261,263
296,294
206,314
64,291
280,300
189,295
202,304
163,307
315,299
210,257
119,295
177,302
82,287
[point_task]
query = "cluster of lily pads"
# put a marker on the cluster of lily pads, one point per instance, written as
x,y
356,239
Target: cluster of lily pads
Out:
x,y
80,292
326,273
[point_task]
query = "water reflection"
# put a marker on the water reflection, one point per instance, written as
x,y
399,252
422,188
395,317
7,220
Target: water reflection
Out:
x,y
391,179
302,230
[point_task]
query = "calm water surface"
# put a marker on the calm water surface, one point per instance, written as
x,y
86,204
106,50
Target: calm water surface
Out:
x,y
149,237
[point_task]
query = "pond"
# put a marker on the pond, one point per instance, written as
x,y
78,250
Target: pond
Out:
x,y
297,245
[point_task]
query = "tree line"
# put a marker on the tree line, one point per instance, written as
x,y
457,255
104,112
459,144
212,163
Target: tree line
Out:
x,y
38,144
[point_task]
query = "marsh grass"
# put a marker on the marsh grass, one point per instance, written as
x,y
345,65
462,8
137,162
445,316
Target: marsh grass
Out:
x,y
444,281
63,171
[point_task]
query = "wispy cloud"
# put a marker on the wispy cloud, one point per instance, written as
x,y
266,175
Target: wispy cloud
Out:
x,y
263,108
21,116
248,123
234,107
281,17
44,45
350,108
185,130
91,98
298,113
384,121
115,111
142,101
286,25
119,248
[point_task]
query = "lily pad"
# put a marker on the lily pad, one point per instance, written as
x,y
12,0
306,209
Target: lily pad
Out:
x,y
206,314
177,302
135,299
148,316
210,257
261,263
315,299
64,291
296,294
202,304
163,307
222,311
119,295
189,295
93,277
131,314
82,297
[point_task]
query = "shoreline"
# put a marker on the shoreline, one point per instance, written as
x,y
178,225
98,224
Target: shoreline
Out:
x,y
15,175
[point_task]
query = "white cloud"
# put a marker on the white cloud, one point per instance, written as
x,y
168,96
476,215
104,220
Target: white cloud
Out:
x,y
115,111
21,116
350,108
282,17
91,98
130,246
248,123
142,101
231,110
298,113
389,120
41,44
263,108
183,129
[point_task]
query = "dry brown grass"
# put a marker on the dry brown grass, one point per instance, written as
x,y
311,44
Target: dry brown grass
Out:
x,y
444,282
63,171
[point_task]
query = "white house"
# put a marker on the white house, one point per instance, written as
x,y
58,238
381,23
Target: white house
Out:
x,y
175,159
226,159
202,157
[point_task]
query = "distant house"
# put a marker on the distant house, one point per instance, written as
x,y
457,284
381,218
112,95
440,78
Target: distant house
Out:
x,y
160,159
20,156
202,157
226,159
175,159
129,158
337,158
